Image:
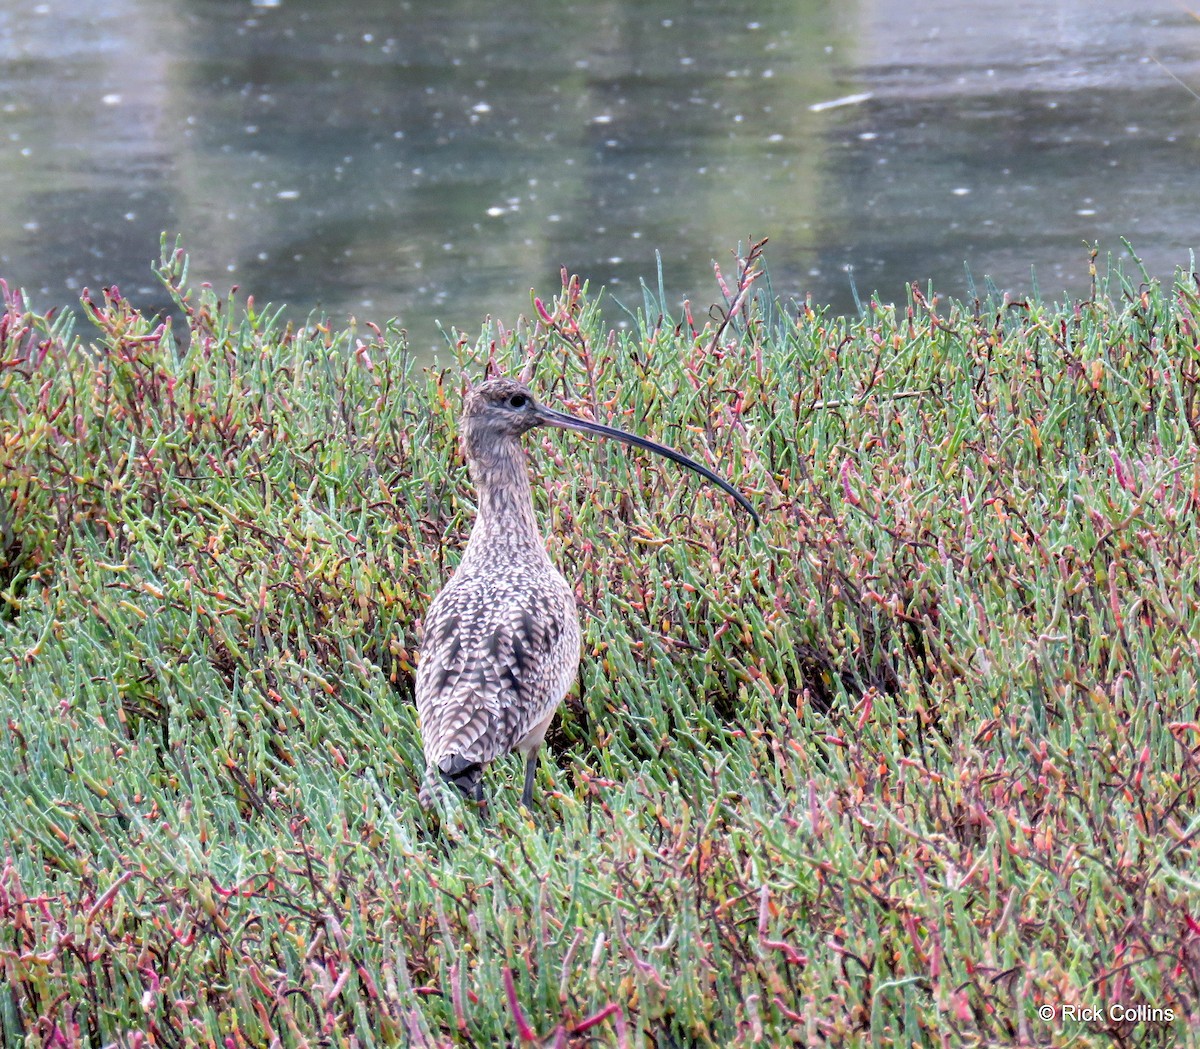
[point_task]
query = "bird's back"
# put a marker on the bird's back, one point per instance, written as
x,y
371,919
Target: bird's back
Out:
x,y
501,649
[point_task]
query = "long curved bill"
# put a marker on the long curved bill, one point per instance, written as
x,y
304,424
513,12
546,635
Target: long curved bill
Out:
x,y
550,417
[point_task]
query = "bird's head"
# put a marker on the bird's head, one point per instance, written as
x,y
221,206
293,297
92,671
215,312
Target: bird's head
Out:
x,y
497,412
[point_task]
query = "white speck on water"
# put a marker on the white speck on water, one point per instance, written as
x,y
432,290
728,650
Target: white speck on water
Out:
x,y
288,194
1051,105
31,227
685,61
767,74
263,256
251,129
495,211
868,136
448,246
777,137
26,152
1085,211
130,216
615,260
754,25
231,268
960,191
266,3
1132,129
481,107
112,99
636,234
42,9
837,103
368,37
602,118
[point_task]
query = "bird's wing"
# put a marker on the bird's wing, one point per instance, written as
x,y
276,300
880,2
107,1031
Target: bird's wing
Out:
x,y
494,662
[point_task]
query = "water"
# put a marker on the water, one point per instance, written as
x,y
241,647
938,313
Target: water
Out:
x,y
435,162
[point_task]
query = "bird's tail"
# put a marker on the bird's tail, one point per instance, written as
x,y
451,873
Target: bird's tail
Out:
x,y
466,776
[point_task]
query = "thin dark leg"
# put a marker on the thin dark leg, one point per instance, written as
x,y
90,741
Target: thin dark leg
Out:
x,y
481,802
530,774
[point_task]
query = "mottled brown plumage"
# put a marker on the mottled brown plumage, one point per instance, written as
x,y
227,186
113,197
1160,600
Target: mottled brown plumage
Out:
x,y
501,644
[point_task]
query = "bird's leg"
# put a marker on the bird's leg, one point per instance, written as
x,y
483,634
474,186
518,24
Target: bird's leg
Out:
x,y
481,803
530,775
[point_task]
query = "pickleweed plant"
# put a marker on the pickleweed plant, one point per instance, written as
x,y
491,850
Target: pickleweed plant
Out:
x,y
916,762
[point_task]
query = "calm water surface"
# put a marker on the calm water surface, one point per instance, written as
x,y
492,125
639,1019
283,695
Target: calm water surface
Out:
x,y
435,162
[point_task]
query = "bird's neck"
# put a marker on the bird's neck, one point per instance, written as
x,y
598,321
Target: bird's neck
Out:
x,y
505,518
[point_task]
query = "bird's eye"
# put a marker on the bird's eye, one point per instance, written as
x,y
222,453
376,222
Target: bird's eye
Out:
x,y
518,400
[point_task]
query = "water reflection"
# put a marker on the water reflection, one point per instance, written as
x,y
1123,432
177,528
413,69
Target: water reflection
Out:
x,y
1005,136
389,158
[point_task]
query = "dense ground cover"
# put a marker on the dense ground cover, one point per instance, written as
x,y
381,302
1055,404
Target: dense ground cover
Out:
x,y
912,764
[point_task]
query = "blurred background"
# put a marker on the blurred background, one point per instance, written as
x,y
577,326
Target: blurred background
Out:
x,y
434,162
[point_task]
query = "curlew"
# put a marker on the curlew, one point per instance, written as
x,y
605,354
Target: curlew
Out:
x,y
502,644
